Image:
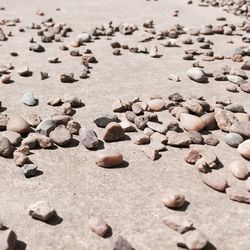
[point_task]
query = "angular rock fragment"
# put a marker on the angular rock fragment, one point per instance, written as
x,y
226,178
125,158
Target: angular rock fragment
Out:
x,y
41,210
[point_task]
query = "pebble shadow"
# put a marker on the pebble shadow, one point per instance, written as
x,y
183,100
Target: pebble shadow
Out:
x,y
55,220
124,164
20,245
109,233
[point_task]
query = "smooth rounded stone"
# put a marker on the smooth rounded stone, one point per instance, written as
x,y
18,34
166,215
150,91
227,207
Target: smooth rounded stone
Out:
x,y
46,126
29,141
142,140
244,149
235,79
29,170
192,156
178,223
151,153
239,169
73,127
245,87
236,108
210,139
223,120
41,210
156,104
60,136
6,148
178,139
108,158
88,138
33,119
191,122
18,124
173,200
214,181
193,240
113,132
3,120
242,128
238,194
98,225
84,37
233,139
122,244
12,136
197,75
177,111
20,158
157,127
103,121
196,137
28,99
8,239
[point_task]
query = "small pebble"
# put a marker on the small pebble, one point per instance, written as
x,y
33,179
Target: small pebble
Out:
x,y
173,200
108,158
98,225
41,210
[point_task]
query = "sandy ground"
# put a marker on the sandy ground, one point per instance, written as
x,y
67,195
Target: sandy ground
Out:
x,y
129,198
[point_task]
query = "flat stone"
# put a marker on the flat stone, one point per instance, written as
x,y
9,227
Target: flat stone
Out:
x,y
88,138
18,124
214,181
173,200
28,99
233,139
191,122
239,169
244,149
178,223
194,240
157,146
6,148
157,127
142,140
98,225
29,170
41,210
238,194
178,139
159,137
13,137
108,158
236,108
127,126
60,136
242,128
196,137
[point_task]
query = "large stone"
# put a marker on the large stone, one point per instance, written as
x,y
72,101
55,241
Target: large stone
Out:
x,y
6,148
156,104
214,181
88,138
157,127
191,122
108,158
244,149
46,126
60,136
103,121
242,128
18,124
12,136
113,132
239,169
233,139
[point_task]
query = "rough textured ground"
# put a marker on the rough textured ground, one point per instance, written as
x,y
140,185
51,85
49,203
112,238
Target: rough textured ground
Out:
x,y
129,198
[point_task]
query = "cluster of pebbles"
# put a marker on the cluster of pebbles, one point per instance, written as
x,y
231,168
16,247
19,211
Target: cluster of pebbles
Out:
x,y
239,8
191,124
